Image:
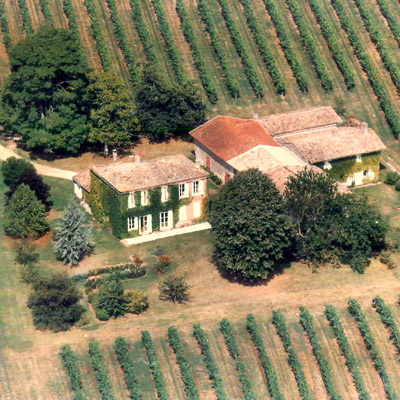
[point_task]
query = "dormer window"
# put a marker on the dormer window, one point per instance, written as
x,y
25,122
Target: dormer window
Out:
x,y
358,158
144,197
131,200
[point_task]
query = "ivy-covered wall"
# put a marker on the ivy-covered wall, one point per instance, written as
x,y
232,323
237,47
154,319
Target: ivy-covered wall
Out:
x,y
345,167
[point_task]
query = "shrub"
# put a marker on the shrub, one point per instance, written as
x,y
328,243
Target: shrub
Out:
x,y
391,178
13,167
136,302
397,186
163,262
101,314
30,273
69,362
25,252
111,297
175,289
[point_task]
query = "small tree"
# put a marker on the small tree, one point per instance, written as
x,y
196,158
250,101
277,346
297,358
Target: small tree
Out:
x,y
54,302
111,297
72,237
136,302
175,289
25,216
26,253
251,226
14,167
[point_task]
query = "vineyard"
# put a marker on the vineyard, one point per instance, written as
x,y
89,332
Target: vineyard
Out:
x,y
246,56
335,354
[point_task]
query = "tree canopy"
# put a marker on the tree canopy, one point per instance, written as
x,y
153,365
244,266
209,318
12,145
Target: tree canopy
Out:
x,y
44,97
14,167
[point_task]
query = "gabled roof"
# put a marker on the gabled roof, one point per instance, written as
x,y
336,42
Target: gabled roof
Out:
x,y
228,137
326,145
83,179
129,177
308,118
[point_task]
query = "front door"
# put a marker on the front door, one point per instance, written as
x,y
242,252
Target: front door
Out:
x,y
143,224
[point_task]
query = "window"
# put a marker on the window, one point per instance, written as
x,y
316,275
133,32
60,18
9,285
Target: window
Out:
x,y
164,220
358,158
132,223
131,200
183,190
144,198
196,187
164,194
327,165
144,224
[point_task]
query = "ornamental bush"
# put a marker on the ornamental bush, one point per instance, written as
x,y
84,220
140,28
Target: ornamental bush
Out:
x,y
175,289
136,302
391,178
111,297
25,252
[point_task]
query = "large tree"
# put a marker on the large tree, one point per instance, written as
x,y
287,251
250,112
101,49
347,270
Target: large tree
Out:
x,y
112,120
44,98
164,110
14,167
251,226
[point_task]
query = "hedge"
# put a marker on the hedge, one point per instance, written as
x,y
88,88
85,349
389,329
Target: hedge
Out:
x,y
346,351
103,382
119,32
70,14
391,19
186,373
230,341
384,101
213,372
69,362
5,29
26,18
169,41
202,69
334,47
230,81
154,366
310,45
355,310
280,324
286,46
272,380
306,321
121,349
44,5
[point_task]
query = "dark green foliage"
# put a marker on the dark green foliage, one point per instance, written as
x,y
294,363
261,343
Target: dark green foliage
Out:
x,y
111,297
102,379
230,81
44,5
286,45
334,47
310,45
25,215
164,110
169,42
154,366
355,310
54,302
69,362
236,37
119,31
306,321
230,341
30,273
122,351
346,351
280,324
175,289
14,167
4,27
44,98
392,116
25,252
391,19
272,380
265,51
250,225
26,18
202,68
186,373
391,178
101,314
210,362
70,14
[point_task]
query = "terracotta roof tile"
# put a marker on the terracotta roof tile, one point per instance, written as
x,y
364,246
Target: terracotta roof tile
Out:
x,y
83,179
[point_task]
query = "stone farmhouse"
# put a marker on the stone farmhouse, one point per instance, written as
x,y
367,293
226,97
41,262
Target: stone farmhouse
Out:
x,y
281,145
139,198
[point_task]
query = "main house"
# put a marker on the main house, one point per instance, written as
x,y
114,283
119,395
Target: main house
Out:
x,y
138,198
281,145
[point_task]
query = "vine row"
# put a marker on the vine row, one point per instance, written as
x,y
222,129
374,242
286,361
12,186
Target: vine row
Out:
x,y
210,362
236,37
355,310
263,48
346,351
202,69
44,5
306,321
230,341
68,359
143,32
119,31
70,14
286,46
121,349
384,101
230,81
102,379
26,18
333,45
280,324
186,373
272,380
169,41
5,28
98,37
391,18
154,366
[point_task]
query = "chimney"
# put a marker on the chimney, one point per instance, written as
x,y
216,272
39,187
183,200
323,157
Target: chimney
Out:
x,y
255,116
137,159
115,155
364,128
114,179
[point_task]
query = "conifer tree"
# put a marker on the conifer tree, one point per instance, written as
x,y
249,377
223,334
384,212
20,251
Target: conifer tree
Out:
x,y
111,297
72,237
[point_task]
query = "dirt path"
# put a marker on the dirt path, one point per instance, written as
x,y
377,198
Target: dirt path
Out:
x,y
41,169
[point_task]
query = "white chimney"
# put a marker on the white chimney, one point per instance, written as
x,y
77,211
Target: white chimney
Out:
x,y
255,116
364,128
137,159
114,179
115,155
